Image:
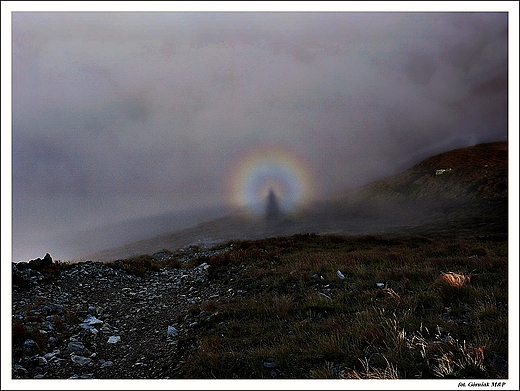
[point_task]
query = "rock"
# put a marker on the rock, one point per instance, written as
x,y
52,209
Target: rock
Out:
x,y
105,329
42,361
269,363
172,331
162,255
19,370
75,347
18,266
70,316
52,309
47,259
91,320
80,360
30,347
48,325
92,329
50,355
340,275
39,263
114,339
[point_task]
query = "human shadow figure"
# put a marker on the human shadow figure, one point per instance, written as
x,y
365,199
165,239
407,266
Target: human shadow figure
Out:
x,y
272,209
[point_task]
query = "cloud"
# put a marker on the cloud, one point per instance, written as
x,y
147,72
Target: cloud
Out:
x,y
160,104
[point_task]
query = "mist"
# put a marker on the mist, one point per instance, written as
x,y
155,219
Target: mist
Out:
x,y
118,116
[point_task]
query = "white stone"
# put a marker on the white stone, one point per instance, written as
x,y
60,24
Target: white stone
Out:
x,y
114,339
81,360
90,320
172,331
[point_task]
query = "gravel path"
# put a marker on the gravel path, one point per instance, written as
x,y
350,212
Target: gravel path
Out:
x,y
94,321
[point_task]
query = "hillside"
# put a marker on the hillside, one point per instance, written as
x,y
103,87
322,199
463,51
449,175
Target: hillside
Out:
x,y
425,295
463,191
479,171
290,307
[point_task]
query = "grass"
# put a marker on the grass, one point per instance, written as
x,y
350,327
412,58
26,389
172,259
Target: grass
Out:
x,y
138,266
438,311
406,308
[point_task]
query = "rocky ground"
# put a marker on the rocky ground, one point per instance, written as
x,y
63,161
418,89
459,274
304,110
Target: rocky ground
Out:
x,y
98,320
93,320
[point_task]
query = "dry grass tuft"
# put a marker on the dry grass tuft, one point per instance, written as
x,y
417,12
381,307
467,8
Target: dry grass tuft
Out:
x,y
371,372
388,293
455,280
460,358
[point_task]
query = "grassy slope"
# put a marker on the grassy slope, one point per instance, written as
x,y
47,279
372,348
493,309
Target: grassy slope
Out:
x,y
469,199
440,253
442,311
355,307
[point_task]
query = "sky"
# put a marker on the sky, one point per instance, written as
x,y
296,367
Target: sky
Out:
x,y
129,114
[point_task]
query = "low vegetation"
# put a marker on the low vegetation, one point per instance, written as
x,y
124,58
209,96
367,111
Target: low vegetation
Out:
x,y
361,307
139,265
426,299
367,307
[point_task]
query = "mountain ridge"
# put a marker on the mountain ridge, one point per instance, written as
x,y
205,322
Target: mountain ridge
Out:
x,y
463,191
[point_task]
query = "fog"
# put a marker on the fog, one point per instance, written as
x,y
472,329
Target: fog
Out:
x,y
118,116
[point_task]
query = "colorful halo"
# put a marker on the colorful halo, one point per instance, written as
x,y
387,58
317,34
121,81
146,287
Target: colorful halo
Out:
x,y
266,168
